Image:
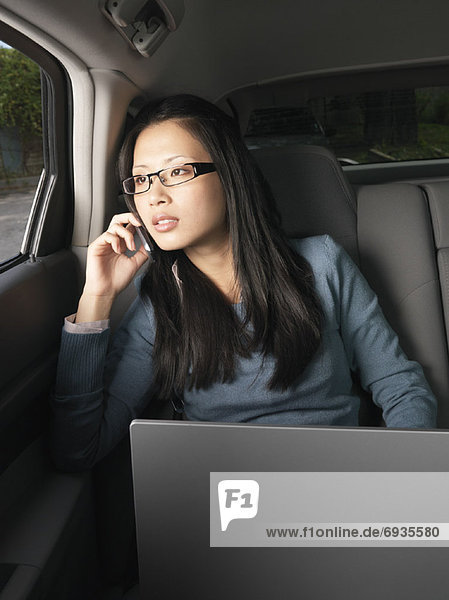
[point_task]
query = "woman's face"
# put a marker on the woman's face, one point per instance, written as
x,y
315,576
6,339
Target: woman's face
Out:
x,y
190,216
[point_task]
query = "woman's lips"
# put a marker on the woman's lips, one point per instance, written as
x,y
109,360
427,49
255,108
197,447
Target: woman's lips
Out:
x,y
164,223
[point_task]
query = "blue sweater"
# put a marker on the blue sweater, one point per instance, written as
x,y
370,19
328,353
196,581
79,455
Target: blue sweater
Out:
x,y
98,392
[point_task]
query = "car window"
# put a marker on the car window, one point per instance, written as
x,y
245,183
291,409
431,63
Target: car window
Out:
x,y
21,150
277,126
372,127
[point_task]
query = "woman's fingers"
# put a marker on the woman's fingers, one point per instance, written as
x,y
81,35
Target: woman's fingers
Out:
x,y
117,233
109,267
117,244
124,219
120,233
119,237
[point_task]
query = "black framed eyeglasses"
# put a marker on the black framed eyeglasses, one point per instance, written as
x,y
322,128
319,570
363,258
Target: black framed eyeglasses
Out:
x,y
139,184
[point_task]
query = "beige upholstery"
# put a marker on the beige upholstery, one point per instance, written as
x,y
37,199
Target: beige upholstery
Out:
x,y
397,256
388,230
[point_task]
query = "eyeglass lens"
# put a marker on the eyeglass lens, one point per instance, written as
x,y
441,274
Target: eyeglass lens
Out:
x,y
171,176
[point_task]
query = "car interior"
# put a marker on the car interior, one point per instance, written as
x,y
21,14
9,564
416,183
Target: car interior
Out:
x,y
300,79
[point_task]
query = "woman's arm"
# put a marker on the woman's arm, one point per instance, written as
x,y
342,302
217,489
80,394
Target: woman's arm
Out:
x,y
397,384
98,394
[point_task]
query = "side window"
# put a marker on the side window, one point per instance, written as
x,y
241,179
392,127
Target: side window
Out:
x,y
21,146
371,127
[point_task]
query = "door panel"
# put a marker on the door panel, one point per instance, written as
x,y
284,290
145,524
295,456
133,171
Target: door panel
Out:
x,y
48,540
48,545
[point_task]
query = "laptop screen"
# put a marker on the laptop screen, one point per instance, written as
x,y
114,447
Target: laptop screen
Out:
x,y
255,511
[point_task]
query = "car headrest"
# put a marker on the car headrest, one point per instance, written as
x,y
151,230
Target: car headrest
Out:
x,y
311,192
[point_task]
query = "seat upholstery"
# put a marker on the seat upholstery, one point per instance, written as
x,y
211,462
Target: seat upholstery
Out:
x,y
312,193
397,256
438,197
387,229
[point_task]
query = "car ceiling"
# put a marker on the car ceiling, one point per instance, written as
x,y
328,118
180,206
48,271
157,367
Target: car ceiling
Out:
x,y
224,45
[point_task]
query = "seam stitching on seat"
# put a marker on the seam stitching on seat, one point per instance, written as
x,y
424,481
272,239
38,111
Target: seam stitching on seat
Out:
x,y
434,214
446,278
416,289
348,198
445,292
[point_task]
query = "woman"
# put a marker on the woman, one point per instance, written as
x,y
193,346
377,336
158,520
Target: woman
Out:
x,y
246,325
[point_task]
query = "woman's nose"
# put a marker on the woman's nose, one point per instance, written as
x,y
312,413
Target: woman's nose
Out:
x,y
158,193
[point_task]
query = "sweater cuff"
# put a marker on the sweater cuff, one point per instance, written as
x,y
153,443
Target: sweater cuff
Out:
x,y
94,327
81,362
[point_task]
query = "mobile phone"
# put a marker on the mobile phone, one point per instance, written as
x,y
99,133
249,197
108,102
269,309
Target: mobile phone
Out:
x,y
141,231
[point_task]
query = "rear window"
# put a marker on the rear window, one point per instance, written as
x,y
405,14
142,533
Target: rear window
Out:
x,y
372,127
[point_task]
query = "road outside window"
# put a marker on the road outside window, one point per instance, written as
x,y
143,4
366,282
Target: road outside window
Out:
x,y
21,157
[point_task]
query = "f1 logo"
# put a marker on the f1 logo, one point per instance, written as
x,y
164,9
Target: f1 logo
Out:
x,y
238,499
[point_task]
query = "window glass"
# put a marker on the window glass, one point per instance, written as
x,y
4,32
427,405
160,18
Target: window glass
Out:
x,y
21,150
381,126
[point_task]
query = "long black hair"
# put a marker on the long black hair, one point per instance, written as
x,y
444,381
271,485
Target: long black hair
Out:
x,y
199,335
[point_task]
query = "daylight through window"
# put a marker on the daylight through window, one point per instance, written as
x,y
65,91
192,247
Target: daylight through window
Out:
x,y
21,156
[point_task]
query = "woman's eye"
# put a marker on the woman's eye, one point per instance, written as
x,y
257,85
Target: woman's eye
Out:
x,y
178,172
140,180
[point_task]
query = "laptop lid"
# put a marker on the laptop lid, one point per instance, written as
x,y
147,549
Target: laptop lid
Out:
x,y
253,511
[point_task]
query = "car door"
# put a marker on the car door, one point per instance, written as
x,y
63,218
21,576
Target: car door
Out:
x,y
47,541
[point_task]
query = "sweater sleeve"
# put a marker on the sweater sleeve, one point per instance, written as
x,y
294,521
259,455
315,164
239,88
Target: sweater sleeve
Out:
x,y
98,392
397,384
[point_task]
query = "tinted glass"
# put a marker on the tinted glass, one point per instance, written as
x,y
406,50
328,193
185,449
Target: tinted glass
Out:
x,y
381,126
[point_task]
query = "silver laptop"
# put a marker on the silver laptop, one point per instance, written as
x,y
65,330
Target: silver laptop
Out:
x,y
228,511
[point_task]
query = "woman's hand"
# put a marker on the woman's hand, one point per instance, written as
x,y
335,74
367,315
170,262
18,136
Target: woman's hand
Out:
x,y
109,270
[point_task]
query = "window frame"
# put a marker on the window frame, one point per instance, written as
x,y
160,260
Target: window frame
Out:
x,y
50,221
